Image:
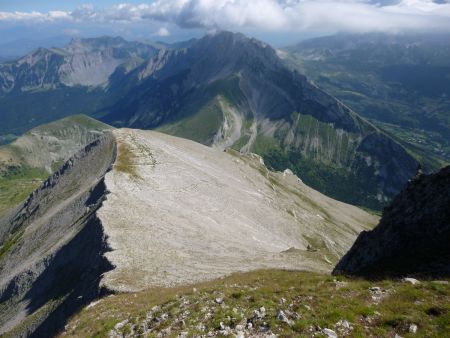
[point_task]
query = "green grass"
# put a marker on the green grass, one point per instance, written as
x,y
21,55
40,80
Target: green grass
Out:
x,y
10,243
17,183
201,116
418,120
341,145
17,179
200,127
310,300
422,145
356,187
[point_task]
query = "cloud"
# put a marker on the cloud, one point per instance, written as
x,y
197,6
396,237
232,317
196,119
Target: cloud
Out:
x,y
35,16
162,32
265,15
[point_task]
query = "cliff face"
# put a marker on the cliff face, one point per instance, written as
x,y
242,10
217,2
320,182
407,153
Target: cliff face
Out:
x,y
29,160
413,235
51,256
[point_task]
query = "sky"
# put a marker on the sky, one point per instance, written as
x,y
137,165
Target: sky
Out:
x,y
279,22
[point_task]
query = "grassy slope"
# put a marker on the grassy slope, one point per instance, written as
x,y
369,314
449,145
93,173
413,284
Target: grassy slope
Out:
x,y
324,168
310,301
16,185
201,126
202,116
17,178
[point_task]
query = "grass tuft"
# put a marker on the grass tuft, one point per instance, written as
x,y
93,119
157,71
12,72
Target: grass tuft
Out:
x,y
125,160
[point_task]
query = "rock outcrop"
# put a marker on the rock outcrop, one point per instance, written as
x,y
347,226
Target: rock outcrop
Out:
x,y
413,235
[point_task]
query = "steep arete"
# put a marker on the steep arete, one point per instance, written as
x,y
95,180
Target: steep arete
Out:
x,y
51,256
413,236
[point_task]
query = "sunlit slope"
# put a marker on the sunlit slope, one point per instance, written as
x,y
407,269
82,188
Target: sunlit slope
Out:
x,y
179,212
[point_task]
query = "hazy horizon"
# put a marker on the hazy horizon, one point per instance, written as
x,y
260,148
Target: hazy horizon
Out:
x,y
278,22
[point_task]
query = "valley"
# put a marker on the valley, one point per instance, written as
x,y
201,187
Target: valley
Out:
x,y
398,82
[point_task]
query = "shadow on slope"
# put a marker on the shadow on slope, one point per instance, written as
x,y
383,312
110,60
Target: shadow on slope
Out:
x,y
53,267
72,277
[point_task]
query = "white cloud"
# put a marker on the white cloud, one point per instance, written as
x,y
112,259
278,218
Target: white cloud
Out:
x,y
162,32
265,15
34,16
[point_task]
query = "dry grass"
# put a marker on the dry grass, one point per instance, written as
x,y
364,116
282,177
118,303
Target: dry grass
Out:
x,y
125,160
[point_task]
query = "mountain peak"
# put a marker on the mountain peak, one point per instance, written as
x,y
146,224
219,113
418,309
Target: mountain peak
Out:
x,y
233,39
235,49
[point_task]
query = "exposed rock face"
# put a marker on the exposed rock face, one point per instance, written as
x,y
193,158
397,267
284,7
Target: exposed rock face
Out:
x,y
413,236
52,249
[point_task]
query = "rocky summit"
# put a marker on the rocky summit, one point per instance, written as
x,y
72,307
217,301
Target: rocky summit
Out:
x,y
413,235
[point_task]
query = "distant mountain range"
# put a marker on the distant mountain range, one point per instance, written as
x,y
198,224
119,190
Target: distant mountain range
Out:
x,y
224,90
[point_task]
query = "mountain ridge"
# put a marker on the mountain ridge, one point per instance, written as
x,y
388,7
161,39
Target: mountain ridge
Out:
x,y
79,212
30,159
256,84
235,91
